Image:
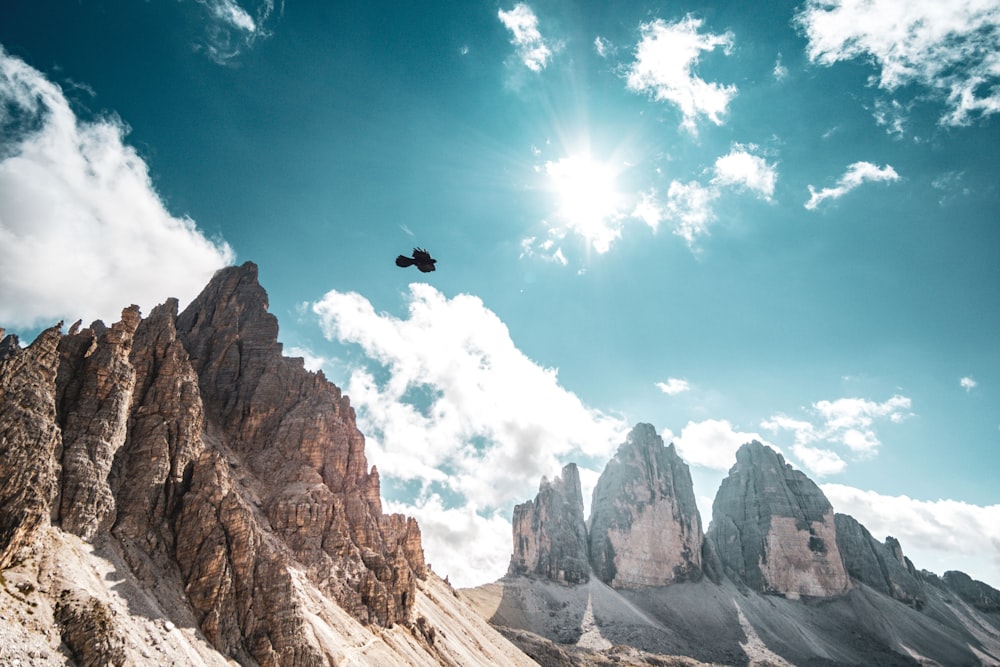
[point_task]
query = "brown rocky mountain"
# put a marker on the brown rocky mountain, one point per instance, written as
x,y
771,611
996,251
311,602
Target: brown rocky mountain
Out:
x,y
173,490
787,581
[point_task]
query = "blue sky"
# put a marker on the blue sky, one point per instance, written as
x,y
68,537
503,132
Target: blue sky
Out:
x,y
729,221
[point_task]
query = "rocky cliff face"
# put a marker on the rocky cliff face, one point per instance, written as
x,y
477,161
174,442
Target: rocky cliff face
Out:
x,y
774,538
645,529
774,530
879,565
550,536
231,483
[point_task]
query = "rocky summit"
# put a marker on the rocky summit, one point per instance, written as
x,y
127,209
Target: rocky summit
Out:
x,y
174,490
778,579
645,529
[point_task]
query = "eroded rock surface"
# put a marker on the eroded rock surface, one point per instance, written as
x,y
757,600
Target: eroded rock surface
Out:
x,y
645,529
550,535
774,530
879,565
213,464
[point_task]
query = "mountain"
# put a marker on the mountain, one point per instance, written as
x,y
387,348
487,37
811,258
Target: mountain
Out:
x,y
778,579
173,490
645,529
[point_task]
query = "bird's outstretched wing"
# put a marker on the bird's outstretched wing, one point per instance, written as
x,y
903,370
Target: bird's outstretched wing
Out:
x,y
421,258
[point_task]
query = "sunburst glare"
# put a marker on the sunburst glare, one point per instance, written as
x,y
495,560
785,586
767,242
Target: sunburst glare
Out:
x,y
587,197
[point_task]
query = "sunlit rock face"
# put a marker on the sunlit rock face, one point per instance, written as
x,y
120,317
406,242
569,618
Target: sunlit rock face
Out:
x,y
645,529
774,530
550,536
211,463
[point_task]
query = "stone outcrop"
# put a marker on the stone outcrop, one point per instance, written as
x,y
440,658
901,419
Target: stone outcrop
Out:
x,y
774,530
645,529
29,440
980,595
550,536
212,464
879,565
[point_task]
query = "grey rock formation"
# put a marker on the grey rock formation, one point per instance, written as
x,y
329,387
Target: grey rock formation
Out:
x,y
774,530
881,566
550,536
645,529
980,595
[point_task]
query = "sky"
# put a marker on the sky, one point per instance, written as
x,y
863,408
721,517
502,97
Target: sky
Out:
x,y
731,220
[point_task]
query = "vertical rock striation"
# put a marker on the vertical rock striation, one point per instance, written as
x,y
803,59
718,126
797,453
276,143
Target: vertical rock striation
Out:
x,y
218,466
774,530
645,529
881,566
550,536
29,438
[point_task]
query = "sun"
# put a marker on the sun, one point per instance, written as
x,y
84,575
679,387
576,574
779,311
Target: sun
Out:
x,y
587,198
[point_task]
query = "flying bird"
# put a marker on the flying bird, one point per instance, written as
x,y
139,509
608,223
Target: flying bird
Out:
x,y
421,258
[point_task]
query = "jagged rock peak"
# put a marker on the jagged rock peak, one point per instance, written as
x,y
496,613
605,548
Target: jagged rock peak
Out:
x,y
773,528
645,528
881,566
550,536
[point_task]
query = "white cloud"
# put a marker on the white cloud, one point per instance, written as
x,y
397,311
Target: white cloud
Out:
x,y
689,205
967,383
231,29
532,49
949,47
447,400
938,535
713,443
458,542
80,222
673,386
547,250
780,72
742,169
820,461
856,174
846,422
310,360
664,64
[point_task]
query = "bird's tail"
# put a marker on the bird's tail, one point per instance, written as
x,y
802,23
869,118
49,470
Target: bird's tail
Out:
x,y
404,261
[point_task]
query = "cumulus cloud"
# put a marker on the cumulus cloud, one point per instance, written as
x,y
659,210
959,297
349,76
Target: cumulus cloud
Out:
x,y
949,47
231,29
938,535
459,542
856,174
713,443
448,402
80,221
673,386
967,383
845,422
664,68
690,206
532,49
741,169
